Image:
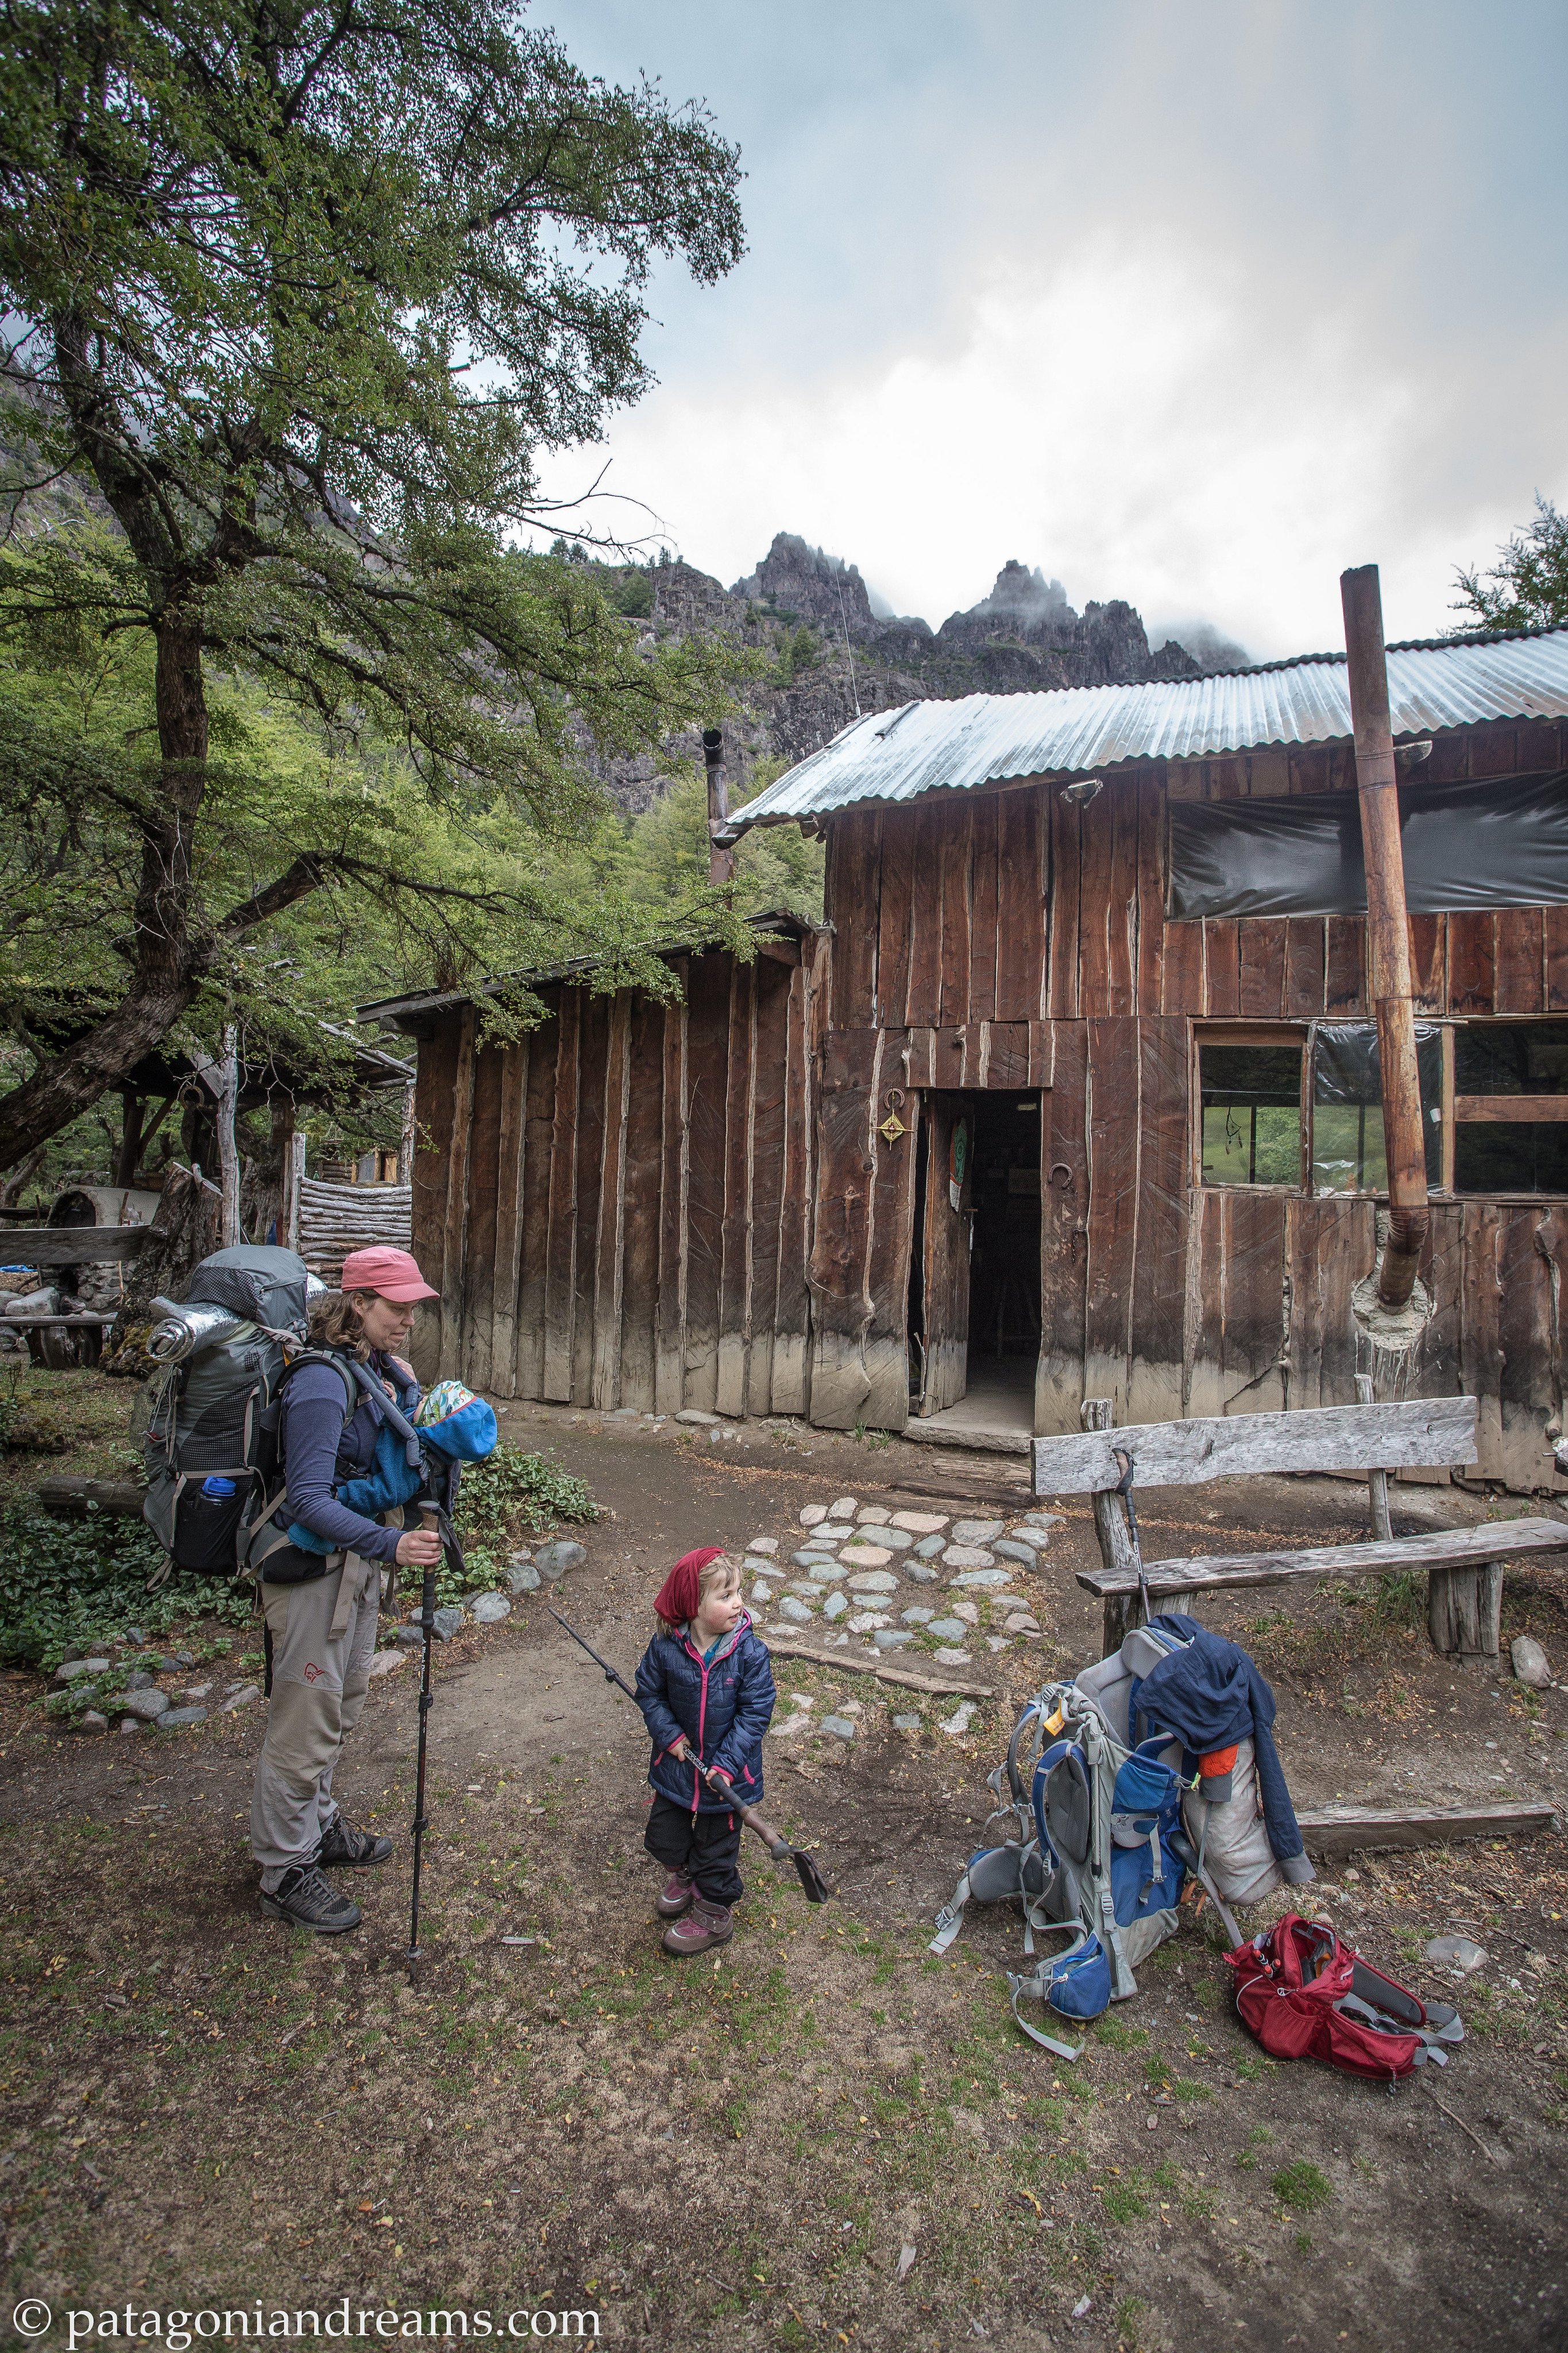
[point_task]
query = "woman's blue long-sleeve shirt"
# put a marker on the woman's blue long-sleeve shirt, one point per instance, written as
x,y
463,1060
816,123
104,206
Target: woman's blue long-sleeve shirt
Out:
x,y
321,1450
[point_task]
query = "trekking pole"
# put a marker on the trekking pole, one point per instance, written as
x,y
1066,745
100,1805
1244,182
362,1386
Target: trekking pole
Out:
x,y
428,1622
816,1889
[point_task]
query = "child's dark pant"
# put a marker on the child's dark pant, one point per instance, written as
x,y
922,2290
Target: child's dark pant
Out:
x,y
706,1845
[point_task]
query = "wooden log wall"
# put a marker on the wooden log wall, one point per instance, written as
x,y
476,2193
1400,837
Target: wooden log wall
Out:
x,y
1012,939
617,1211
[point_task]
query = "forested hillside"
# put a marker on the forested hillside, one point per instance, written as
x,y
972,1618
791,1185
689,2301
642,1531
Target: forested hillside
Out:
x,y
820,650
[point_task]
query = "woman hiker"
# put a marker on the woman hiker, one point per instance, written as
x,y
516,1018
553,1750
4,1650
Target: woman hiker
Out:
x,y
321,1607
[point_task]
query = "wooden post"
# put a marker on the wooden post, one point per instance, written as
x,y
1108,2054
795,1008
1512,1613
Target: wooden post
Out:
x,y
1377,1480
295,1182
227,1076
721,861
405,1142
281,1108
1115,1541
1464,1607
1388,936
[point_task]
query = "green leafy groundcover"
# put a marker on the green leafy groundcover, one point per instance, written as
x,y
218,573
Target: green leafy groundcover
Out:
x,y
64,1582
79,1582
498,1500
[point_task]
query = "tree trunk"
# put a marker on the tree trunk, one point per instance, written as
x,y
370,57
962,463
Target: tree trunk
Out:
x,y
168,964
129,1137
184,1232
228,1154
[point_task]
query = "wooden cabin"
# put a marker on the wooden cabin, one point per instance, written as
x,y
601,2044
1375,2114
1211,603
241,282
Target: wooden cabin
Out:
x,y
1073,1093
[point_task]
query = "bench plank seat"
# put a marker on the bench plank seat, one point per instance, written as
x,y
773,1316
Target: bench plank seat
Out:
x,y
1433,1433
1335,1831
1444,1549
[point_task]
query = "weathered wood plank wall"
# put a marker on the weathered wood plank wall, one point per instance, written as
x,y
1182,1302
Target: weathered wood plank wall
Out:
x,y
693,1205
1012,939
615,1211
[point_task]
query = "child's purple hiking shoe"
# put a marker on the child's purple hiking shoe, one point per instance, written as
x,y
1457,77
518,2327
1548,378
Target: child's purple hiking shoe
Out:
x,y
675,1896
705,1925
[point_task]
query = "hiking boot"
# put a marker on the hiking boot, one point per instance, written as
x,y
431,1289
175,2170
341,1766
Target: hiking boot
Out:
x,y
305,1900
675,1896
705,1925
345,1849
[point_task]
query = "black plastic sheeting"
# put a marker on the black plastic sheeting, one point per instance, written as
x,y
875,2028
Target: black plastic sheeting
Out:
x,y
1503,843
1347,1071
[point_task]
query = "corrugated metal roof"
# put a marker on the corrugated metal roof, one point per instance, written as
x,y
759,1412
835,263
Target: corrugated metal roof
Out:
x,y
985,739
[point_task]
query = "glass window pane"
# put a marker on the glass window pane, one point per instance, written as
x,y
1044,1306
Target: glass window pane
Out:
x,y
1348,1154
1510,1156
1511,1058
1251,1114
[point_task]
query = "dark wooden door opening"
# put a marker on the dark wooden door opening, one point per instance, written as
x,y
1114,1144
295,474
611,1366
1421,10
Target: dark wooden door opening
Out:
x,y
975,1273
1005,1254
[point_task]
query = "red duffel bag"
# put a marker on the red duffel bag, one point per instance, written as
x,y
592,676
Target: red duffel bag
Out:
x,y
1305,1996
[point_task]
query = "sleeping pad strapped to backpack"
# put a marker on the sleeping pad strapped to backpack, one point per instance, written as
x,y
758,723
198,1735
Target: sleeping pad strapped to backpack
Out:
x,y
212,1435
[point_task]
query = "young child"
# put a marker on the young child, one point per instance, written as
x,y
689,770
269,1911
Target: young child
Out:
x,y
705,1686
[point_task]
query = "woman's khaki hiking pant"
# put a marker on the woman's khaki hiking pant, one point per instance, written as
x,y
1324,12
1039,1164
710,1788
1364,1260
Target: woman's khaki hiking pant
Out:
x,y
323,1635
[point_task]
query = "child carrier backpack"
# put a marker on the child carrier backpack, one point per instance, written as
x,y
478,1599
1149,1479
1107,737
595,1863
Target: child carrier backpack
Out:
x,y
211,1432
1304,1995
1100,1855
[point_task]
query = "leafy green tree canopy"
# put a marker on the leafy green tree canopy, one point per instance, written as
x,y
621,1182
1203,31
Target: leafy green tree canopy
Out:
x,y
1527,589
303,290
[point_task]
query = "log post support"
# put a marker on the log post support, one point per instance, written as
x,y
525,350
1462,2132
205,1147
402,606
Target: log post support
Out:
x,y
1388,936
1115,1541
1464,1610
721,858
129,1158
1377,1480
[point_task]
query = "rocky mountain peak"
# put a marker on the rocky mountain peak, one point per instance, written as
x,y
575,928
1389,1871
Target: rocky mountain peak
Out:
x,y
1020,596
795,579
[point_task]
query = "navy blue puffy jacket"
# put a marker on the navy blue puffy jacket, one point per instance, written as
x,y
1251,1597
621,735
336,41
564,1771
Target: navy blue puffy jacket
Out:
x,y
1209,1694
723,1708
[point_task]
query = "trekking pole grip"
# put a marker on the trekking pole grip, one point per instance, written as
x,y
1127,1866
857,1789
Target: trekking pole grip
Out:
x,y
428,1513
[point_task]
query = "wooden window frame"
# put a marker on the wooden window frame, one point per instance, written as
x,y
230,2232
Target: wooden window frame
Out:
x,y
1456,1108
1250,1033
1466,1109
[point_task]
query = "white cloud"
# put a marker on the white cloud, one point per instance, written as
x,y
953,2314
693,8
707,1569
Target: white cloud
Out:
x,y
1162,300
1123,423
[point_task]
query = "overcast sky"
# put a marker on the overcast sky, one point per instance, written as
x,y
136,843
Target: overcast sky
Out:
x,y
1192,304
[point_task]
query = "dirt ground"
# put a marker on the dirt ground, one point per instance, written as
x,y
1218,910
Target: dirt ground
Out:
x,y
207,2110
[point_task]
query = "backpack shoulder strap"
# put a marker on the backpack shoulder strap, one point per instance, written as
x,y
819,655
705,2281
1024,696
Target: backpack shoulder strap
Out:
x,y
263,1537
339,1366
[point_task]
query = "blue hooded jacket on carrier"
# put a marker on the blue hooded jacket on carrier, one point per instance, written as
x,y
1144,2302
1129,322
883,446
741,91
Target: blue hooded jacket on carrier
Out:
x,y
1209,1693
722,1708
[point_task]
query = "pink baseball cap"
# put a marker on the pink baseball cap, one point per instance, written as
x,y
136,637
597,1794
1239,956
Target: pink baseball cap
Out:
x,y
390,1273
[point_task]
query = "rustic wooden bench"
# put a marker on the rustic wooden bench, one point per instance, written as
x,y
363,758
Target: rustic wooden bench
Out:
x,y
1464,1565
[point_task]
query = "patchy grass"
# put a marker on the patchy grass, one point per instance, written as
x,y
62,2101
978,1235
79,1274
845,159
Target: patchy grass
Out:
x,y
1301,2187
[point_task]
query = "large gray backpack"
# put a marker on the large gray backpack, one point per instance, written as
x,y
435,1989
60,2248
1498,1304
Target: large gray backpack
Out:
x,y
211,1432
1097,1854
